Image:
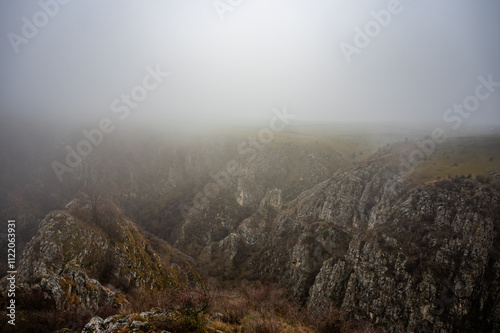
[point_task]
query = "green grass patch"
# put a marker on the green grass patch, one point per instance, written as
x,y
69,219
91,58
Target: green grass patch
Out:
x,y
473,156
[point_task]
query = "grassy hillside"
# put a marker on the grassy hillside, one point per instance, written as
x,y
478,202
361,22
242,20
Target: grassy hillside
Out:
x,y
478,155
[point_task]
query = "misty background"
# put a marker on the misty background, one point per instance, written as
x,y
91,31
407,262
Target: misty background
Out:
x,y
263,54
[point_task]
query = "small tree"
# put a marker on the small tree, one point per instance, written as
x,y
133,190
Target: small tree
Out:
x,y
194,295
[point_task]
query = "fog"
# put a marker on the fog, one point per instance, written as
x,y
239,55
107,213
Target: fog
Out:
x,y
232,62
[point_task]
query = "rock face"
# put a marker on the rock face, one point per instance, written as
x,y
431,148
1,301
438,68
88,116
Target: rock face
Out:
x,y
55,258
200,193
428,260
151,321
70,260
406,257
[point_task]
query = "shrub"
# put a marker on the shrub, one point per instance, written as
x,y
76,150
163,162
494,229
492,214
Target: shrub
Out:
x,y
262,326
329,320
234,310
325,234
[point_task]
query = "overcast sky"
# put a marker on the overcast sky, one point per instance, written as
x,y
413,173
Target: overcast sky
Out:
x,y
238,62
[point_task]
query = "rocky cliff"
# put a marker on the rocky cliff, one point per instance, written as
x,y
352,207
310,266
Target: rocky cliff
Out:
x,y
227,191
75,267
408,257
332,228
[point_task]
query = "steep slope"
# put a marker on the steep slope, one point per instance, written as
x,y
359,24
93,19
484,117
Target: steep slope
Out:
x,y
367,240
312,214
429,260
221,200
155,176
76,265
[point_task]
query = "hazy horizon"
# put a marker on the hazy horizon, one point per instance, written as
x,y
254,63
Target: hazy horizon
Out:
x,y
234,65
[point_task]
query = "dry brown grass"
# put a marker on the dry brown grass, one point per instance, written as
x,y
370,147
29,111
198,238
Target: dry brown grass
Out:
x,y
255,307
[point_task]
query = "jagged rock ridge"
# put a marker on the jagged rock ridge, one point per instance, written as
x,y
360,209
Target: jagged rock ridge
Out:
x,y
404,256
